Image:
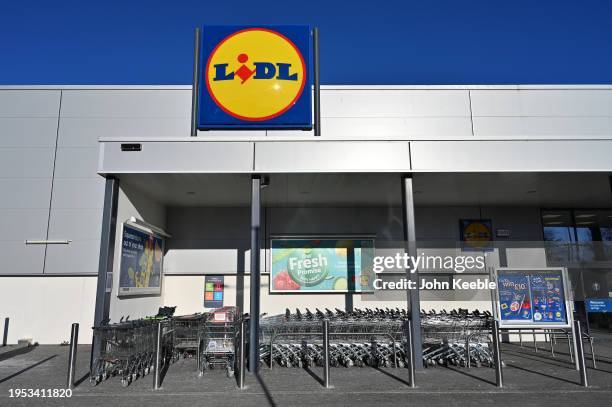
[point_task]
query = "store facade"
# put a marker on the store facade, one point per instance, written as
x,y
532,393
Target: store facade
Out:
x,y
529,162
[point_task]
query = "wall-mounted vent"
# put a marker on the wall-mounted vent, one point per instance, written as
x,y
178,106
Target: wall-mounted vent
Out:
x,y
131,147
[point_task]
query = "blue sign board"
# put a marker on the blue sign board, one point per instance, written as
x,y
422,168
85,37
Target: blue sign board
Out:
x,y
598,304
531,297
255,77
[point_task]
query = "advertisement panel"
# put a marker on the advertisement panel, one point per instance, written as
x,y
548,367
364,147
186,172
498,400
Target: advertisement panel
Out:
x,y
306,265
255,77
213,291
142,255
532,297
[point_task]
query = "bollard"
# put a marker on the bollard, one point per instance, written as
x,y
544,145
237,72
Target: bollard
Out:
x,y
5,336
241,348
326,353
158,349
72,354
199,357
497,355
410,353
584,381
467,352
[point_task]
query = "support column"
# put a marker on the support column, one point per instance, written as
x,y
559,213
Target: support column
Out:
x,y
255,274
414,303
107,253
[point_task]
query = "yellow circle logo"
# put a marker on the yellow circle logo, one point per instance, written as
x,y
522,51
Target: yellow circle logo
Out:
x,y
477,234
255,74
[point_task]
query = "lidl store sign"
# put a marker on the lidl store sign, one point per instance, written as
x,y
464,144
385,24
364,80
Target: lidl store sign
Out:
x,y
255,77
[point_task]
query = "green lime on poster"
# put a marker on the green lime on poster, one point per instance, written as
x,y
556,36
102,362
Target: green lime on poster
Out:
x,y
341,284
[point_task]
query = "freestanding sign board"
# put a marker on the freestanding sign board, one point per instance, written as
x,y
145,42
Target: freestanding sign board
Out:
x,y
255,77
142,255
533,298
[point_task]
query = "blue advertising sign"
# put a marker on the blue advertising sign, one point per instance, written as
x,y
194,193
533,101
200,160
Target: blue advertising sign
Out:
x,y
255,77
141,265
547,296
514,300
531,297
598,304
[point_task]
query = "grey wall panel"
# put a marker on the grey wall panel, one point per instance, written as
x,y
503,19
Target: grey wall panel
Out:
x,y
178,157
542,112
17,226
85,132
25,193
543,102
23,224
78,193
28,131
29,103
79,257
491,156
33,162
77,162
543,126
332,156
75,224
386,127
146,103
394,103
18,258
88,115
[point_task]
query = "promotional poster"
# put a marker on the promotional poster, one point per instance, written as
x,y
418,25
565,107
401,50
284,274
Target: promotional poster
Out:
x,y
321,265
142,255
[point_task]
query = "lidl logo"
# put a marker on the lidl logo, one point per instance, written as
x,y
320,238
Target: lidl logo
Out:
x,y
255,77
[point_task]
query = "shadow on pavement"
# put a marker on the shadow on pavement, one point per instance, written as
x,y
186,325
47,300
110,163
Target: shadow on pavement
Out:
x,y
16,352
265,389
26,369
314,375
482,379
391,375
82,379
542,374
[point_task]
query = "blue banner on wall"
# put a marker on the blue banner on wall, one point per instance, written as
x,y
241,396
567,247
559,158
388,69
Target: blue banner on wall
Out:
x,y
598,305
255,77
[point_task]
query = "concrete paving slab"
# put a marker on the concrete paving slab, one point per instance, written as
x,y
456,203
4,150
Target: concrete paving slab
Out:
x,y
530,378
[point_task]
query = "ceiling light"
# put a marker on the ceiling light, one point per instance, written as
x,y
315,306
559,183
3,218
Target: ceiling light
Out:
x,y
585,215
550,215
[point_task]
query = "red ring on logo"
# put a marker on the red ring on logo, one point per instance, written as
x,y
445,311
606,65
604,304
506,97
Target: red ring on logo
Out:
x,y
256,119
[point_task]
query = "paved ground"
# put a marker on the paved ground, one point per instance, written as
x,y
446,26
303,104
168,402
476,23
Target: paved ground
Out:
x,y
531,379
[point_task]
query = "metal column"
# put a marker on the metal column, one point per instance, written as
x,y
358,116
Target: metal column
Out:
x,y
255,276
316,82
410,242
195,85
105,265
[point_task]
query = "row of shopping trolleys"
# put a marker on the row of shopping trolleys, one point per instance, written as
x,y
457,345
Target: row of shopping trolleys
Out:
x,y
375,337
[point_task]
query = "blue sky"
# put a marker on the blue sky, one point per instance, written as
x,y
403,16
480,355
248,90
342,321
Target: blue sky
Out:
x,y
362,42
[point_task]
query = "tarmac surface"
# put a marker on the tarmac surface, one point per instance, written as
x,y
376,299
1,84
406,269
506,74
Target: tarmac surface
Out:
x,y
530,379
